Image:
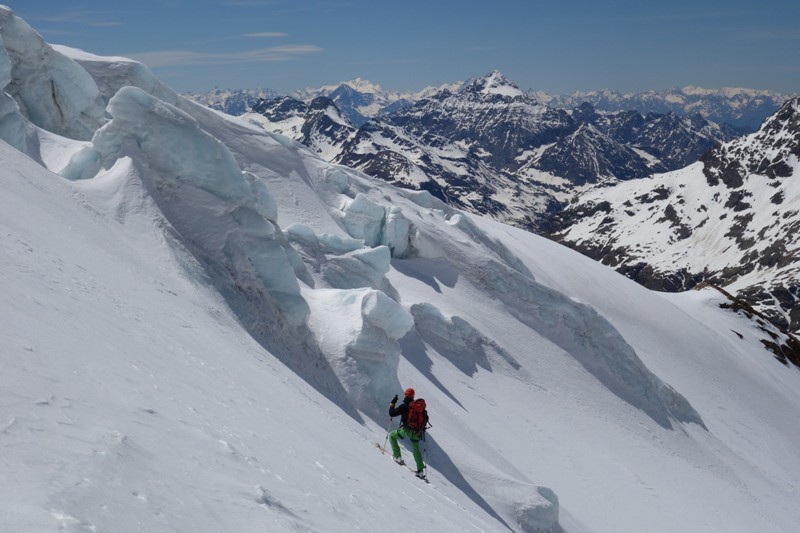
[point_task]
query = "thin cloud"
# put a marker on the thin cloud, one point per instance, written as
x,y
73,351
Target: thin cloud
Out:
x,y
266,34
77,16
170,58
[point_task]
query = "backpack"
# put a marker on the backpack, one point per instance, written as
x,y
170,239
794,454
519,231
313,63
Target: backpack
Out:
x,y
417,415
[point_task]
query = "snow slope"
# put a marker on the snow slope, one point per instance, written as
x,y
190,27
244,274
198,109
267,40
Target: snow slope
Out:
x,y
132,400
204,326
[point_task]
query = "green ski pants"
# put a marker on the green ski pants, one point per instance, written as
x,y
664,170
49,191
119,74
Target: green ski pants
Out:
x,y
403,433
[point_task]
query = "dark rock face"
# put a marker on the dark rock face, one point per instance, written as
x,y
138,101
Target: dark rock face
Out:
x,y
587,154
674,141
323,119
321,122
348,99
765,153
498,125
278,109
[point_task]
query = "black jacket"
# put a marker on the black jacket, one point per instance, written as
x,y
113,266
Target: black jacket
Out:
x,y
401,411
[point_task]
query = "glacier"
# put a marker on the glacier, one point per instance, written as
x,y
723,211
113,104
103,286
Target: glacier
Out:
x,y
206,321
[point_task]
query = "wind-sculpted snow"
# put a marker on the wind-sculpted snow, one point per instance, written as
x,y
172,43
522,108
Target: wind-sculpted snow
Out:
x,y
376,224
535,509
341,263
110,74
538,512
457,340
363,219
366,354
180,162
227,218
360,268
53,91
576,328
13,126
176,147
585,335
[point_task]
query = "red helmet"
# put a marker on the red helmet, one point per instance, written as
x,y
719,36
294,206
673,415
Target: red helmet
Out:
x,y
409,392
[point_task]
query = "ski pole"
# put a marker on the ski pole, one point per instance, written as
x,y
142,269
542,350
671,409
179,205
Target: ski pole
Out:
x,y
388,426
425,454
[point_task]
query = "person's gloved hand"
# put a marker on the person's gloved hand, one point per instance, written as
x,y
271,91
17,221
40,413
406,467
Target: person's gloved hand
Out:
x,y
394,400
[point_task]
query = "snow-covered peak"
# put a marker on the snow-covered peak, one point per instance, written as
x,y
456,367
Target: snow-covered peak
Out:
x,y
367,87
428,92
785,121
357,84
494,83
364,86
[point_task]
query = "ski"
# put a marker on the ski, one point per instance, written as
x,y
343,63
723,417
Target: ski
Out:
x,y
422,477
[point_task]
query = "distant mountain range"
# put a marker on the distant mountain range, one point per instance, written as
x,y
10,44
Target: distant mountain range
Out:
x,y
491,148
232,101
359,100
744,109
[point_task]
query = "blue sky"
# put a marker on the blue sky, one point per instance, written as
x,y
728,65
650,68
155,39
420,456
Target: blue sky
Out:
x,y
551,46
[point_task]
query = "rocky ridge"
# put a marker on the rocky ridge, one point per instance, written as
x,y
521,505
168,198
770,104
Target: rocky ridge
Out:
x,y
728,220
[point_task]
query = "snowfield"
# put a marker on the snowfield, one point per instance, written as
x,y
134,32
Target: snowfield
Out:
x,y
204,322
